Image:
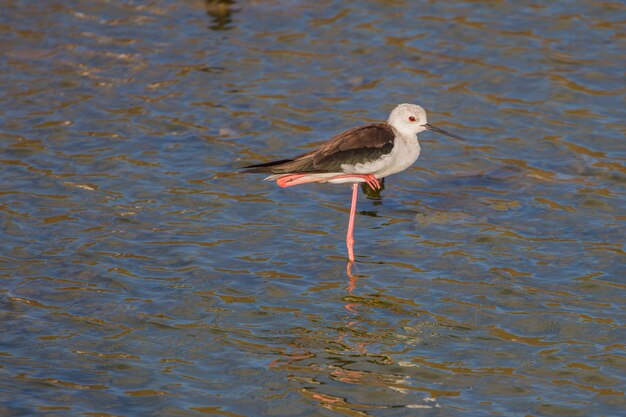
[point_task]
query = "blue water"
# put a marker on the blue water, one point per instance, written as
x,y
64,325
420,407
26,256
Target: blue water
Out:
x,y
142,275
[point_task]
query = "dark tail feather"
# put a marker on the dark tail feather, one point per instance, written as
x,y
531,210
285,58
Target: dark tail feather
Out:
x,y
266,167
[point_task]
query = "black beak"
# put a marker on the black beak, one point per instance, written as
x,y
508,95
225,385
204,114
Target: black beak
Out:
x,y
443,132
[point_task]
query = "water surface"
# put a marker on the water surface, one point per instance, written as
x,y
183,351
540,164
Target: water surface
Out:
x,y
143,276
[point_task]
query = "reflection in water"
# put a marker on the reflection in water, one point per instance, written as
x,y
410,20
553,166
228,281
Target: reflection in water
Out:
x,y
344,359
352,279
220,12
374,194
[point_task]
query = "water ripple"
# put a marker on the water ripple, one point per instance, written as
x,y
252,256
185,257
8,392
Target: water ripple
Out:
x,y
142,274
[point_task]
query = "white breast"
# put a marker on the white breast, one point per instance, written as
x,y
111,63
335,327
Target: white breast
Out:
x,y
404,153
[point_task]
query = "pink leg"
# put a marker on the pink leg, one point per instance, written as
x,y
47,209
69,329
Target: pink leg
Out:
x,y
370,179
350,235
294,179
289,180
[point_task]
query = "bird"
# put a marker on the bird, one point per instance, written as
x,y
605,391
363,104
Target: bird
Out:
x,y
364,153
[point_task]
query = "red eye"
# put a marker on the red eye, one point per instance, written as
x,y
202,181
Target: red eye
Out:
x,y
411,118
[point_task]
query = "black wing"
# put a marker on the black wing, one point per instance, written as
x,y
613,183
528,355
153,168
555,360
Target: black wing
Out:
x,y
359,145
355,146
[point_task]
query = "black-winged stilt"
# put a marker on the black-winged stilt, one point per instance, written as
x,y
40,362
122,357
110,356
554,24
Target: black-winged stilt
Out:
x,y
362,154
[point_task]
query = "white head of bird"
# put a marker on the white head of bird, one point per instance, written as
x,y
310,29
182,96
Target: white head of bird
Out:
x,y
410,119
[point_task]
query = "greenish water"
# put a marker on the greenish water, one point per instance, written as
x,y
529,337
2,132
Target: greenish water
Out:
x,y
141,275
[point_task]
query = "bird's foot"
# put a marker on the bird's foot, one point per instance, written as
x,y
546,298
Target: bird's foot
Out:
x,y
370,179
373,182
